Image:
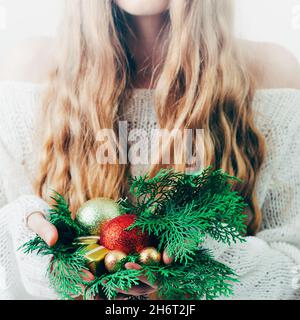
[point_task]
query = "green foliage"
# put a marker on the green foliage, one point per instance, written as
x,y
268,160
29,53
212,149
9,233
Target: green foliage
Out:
x,y
67,264
109,283
66,274
202,278
179,210
61,217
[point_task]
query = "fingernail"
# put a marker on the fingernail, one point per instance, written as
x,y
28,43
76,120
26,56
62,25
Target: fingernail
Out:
x,y
130,265
49,240
167,259
88,278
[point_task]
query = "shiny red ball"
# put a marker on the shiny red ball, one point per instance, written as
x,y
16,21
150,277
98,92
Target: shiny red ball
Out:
x,y
114,235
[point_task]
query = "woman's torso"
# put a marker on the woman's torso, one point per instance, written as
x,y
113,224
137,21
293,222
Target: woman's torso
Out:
x,y
276,114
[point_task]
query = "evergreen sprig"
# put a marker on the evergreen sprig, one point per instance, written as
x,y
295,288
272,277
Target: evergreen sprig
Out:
x,y
61,216
66,274
180,210
202,278
65,270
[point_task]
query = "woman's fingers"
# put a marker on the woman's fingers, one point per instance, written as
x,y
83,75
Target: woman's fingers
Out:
x,y
87,276
150,288
47,231
132,265
141,290
143,279
166,258
146,287
138,291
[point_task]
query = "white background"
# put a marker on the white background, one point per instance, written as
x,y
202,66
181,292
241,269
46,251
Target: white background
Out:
x,y
261,20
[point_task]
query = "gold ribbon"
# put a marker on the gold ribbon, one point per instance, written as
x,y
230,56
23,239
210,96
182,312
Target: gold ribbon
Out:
x,y
95,254
87,240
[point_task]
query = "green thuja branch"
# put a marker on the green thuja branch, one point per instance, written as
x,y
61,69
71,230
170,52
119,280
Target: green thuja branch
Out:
x,y
204,278
181,210
66,274
61,217
65,270
106,285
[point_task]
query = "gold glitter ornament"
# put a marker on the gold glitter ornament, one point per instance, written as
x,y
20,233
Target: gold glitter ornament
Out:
x,y
112,259
94,213
149,255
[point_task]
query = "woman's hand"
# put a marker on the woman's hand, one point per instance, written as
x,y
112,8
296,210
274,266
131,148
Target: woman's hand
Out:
x,y
145,288
48,232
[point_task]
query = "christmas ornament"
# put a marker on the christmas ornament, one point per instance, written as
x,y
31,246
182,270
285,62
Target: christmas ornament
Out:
x,y
94,254
93,214
112,259
114,235
174,208
150,255
87,240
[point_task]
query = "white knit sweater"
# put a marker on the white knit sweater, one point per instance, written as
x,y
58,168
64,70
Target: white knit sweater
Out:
x,y
268,264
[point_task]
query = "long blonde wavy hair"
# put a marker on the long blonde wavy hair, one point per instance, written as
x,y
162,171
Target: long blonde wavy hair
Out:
x,y
203,82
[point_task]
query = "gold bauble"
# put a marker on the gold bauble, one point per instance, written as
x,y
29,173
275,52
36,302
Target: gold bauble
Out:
x,y
94,213
149,255
112,259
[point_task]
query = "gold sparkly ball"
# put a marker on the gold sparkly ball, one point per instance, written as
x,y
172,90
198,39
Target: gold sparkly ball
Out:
x,y
94,213
149,255
112,258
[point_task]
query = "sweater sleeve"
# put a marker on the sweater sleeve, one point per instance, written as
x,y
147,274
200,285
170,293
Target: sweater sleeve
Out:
x,y
21,275
268,265
2,195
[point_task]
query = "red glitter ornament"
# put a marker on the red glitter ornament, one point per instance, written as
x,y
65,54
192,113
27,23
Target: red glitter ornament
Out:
x,y
114,235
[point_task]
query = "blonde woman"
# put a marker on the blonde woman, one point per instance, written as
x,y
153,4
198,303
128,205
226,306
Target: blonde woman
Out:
x,y
156,64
